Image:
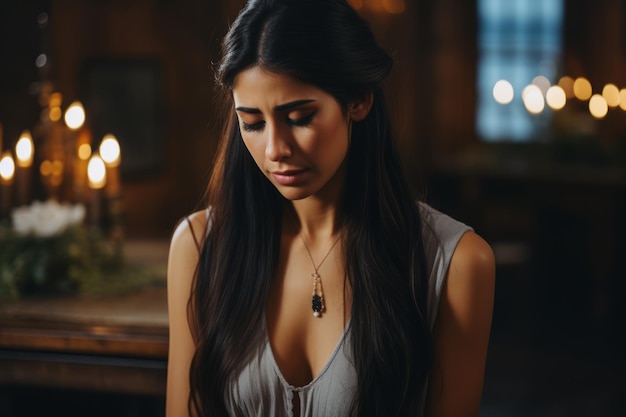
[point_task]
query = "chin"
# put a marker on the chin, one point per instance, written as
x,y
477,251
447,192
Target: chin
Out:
x,y
294,194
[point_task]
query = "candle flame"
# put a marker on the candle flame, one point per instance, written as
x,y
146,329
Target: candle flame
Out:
x,y
7,167
75,115
96,172
24,149
110,150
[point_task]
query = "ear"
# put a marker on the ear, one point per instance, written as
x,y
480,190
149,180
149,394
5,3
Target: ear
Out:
x,y
359,108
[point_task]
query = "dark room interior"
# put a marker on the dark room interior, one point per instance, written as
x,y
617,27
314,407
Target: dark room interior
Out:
x,y
546,188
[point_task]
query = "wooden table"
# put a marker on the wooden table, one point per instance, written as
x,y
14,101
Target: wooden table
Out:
x,y
115,344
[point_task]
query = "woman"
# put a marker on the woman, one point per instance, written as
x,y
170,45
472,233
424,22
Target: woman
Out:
x,y
315,284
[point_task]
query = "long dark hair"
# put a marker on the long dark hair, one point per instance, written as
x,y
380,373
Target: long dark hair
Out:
x,y
327,44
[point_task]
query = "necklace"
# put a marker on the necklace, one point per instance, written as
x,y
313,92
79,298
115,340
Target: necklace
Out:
x,y
317,299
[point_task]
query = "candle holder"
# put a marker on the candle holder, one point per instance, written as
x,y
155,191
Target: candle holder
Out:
x,y
24,151
96,173
111,155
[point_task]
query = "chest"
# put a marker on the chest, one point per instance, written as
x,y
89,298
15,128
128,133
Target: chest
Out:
x,y
262,383
301,343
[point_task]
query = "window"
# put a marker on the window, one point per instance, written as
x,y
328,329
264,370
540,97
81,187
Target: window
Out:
x,y
518,40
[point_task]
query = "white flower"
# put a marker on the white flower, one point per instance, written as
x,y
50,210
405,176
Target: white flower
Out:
x,y
46,219
22,222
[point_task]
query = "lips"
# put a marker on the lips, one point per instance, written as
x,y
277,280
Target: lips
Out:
x,y
288,177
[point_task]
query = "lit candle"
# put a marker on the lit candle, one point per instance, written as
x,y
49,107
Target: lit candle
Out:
x,y
96,173
76,170
111,154
24,151
81,159
7,171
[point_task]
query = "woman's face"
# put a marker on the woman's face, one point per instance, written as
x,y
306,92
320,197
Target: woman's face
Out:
x,y
296,133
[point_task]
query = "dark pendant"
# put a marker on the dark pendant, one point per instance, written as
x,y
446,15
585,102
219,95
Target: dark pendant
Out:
x,y
317,304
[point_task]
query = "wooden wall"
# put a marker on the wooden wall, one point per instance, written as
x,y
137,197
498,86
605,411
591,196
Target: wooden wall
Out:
x,y
432,89
183,39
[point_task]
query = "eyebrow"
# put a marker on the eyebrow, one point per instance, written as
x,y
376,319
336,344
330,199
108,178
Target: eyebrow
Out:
x,y
279,108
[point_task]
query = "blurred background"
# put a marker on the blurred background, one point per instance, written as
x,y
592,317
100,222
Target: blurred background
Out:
x,y
510,115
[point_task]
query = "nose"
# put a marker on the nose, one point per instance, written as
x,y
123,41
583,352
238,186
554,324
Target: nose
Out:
x,y
278,144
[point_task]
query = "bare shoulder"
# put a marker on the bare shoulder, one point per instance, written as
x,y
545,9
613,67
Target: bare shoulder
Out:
x,y
473,260
181,270
184,254
189,232
462,330
470,286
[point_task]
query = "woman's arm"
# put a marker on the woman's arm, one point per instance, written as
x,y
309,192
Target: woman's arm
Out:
x,y
181,268
461,333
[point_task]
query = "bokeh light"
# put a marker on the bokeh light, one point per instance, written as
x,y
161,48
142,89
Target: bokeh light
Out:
x,y
7,167
96,172
582,88
542,82
503,92
556,97
55,114
84,151
598,106
533,99
567,84
610,92
41,60
45,168
24,149
75,115
110,150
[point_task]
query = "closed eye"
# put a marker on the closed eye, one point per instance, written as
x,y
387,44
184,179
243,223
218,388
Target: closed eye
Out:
x,y
301,122
255,127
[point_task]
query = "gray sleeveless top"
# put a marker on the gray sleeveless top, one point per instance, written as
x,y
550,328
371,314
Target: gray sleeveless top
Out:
x,y
261,389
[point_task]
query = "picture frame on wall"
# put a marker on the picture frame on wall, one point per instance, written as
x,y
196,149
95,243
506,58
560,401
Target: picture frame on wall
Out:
x,y
124,97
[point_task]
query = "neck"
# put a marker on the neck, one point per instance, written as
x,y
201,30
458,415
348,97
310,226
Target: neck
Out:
x,y
317,215
315,221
